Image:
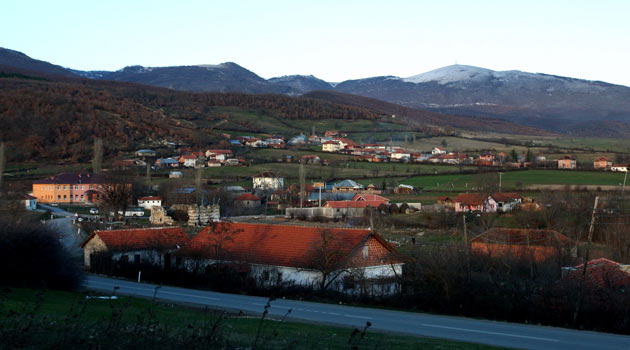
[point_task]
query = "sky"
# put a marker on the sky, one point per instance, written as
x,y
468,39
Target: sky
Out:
x,y
332,40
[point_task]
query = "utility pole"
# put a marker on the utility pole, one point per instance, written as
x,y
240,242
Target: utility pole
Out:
x,y
586,255
467,250
320,194
500,181
623,188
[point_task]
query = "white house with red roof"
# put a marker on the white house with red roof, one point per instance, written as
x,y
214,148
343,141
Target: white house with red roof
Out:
x,y
332,146
438,150
267,181
220,155
149,202
188,160
247,200
341,259
154,245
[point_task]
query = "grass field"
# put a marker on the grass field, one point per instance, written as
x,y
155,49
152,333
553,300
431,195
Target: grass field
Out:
x,y
511,180
55,319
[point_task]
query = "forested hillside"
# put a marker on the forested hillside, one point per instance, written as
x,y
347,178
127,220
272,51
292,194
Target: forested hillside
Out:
x,y
58,119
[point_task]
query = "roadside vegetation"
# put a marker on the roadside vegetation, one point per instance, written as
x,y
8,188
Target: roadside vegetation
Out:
x,y
54,319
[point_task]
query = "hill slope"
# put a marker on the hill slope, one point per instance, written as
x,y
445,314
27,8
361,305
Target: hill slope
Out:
x,y
18,60
53,119
523,97
422,117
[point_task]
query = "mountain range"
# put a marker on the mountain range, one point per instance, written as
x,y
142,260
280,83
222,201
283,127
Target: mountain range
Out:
x,y
555,103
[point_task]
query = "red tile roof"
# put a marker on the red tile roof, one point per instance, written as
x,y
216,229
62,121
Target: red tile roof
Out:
x,y
514,236
278,245
247,197
143,238
150,198
219,151
353,204
471,198
601,272
505,196
74,178
369,197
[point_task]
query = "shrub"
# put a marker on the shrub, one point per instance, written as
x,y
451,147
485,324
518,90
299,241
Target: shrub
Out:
x,y
32,256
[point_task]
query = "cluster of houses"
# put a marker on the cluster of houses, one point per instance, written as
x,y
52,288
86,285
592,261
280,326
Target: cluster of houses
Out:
x,y
189,159
482,202
257,142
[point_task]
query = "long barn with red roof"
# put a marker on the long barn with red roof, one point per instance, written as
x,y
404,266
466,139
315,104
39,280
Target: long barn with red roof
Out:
x,y
147,245
332,258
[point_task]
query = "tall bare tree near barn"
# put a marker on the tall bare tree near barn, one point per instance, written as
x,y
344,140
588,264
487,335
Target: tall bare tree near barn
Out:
x,y
326,258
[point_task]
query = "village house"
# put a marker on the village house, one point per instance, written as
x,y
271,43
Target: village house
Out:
x,y
602,163
71,188
623,168
314,139
267,181
124,164
345,260
167,162
149,202
188,160
438,150
21,201
507,201
247,200
310,159
332,146
275,142
567,162
514,243
347,186
403,189
146,153
154,246
478,202
447,202
175,175
220,155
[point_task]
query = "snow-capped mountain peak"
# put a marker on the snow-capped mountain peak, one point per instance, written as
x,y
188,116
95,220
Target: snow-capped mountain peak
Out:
x,y
451,74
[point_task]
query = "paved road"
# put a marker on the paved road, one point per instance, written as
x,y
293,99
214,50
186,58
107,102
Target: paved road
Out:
x,y
455,328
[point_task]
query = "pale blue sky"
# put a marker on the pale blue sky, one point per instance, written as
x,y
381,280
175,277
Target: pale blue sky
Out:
x,y
333,40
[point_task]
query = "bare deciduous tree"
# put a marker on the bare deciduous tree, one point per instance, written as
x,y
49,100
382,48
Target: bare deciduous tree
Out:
x,y
327,257
97,159
2,162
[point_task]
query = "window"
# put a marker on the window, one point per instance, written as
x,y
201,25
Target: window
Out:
x,y
65,197
58,187
124,258
279,277
64,187
178,260
76,187
348,282
136,258
82,187
366,251
90,187
58,197
82,199
265,276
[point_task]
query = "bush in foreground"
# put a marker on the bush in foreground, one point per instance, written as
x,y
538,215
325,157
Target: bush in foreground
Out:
x,y
32,256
